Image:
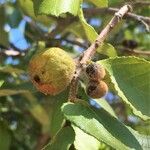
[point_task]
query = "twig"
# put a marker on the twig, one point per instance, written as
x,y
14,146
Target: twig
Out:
x,y
62,23
141,3
87,55
52,41
143,19
12,53
137,52
141,52
35,27
42,140
12,50
75,43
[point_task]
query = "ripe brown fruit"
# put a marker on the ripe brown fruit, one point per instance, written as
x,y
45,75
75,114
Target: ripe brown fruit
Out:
x,y
51,70
97,89
95,71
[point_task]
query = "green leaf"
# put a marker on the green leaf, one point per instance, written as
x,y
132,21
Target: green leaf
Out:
x,y
5,137
27,8
8,92
76,29
3,33
144,128
106,48
105,105
83,141
13,16
56,7
57,116
9,69
63,140
89,30
131,79
1,82
144,140
27,86
101,125
37,111
100,3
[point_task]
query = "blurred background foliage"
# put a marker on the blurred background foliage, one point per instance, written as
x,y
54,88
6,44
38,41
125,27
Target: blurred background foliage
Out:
x,y
28,119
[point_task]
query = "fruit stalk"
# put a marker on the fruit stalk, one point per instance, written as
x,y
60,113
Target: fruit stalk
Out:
x,y
89,53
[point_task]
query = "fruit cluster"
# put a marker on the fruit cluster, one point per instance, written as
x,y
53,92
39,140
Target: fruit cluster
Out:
x,y
51,71
96,87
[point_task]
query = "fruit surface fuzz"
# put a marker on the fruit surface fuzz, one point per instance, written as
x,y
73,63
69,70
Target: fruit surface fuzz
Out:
x,y
96,89
95,71
51,70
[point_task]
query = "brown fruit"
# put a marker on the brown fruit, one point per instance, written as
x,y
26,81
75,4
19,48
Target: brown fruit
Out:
x,y
97,89
51,70
95,71
130,44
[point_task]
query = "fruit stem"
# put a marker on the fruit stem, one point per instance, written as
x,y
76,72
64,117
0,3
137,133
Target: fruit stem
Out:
x,y
89,53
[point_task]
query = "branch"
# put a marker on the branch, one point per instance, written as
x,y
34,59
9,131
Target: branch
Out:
x,y
54,42
62,23
12,50
95,11
137,52
89,53
141,3
75,43
42,141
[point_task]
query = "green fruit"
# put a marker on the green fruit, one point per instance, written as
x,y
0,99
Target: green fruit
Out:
x,y
51,70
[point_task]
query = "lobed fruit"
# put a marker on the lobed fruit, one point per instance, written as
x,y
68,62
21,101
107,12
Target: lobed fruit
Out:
x,y
51,70
95,71
97,89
